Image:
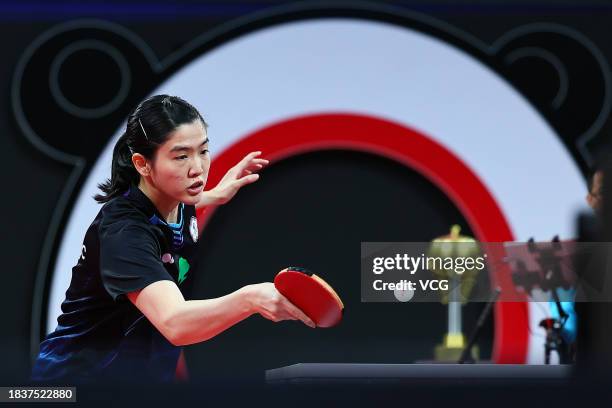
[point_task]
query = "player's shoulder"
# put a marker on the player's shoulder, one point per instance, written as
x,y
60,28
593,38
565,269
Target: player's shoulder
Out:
x,y
120,215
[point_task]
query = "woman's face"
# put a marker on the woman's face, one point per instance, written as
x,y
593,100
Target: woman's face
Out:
x,y
180,167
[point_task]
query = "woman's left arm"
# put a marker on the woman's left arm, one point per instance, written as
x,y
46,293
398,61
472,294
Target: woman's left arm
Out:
x,y
243,173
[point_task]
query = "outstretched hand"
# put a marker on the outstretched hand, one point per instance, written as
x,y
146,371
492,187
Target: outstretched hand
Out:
x,y
243,173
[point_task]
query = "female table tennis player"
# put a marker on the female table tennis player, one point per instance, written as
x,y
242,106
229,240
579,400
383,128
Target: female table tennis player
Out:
x,y
124,315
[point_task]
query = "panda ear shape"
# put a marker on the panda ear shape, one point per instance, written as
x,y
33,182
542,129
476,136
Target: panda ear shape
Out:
x,y
75,83
565,77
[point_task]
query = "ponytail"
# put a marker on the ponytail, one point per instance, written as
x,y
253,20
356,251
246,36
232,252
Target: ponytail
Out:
x,y
123,173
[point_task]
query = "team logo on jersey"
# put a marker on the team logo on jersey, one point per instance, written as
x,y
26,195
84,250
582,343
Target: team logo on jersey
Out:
x,y
167,258
193,229
183,268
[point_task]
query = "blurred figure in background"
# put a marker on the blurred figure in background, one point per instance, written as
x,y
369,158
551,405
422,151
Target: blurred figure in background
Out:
x,y
594,199
595,196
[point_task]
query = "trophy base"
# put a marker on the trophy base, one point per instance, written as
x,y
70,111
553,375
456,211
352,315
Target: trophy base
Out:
x,y
451,348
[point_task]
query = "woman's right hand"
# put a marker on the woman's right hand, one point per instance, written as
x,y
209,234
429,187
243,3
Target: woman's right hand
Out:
x,y
271,304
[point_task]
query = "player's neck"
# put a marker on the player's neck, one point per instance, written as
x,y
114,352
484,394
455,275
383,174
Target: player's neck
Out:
x,y
168,208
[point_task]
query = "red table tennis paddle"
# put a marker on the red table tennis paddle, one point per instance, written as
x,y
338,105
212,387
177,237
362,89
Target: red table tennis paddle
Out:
x,y
310,294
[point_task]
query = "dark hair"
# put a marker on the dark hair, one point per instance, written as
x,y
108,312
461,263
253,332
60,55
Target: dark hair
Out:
x,y
148,126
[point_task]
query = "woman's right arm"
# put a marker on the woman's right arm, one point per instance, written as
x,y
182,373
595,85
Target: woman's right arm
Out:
x,y
185,322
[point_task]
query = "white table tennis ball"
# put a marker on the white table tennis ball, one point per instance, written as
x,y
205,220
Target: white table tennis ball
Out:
x,y
403,295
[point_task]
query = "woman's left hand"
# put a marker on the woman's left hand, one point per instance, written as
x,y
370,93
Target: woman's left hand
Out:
x,y
243,173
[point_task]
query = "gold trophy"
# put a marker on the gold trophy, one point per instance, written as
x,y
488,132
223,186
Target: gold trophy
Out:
x,y
460,284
